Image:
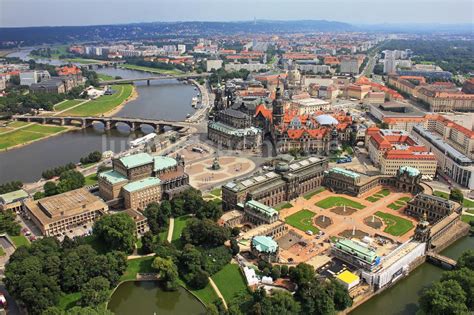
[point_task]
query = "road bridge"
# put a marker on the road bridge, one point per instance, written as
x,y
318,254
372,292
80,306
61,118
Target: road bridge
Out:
x,y
108,122
150,78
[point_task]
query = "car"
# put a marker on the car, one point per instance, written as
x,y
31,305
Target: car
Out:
x,y
309,232
27,233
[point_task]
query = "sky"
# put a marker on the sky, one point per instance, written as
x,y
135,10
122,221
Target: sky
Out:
x,y
19,13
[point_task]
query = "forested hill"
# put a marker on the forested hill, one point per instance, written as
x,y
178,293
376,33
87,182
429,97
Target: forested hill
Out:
x,y
38,35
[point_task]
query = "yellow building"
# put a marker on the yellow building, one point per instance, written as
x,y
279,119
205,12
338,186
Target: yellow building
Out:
x,y
56,215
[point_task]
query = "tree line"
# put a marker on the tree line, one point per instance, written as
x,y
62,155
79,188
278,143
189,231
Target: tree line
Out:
x,y
10,186
454,293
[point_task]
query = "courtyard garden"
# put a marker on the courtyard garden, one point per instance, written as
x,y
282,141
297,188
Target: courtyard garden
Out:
x,y
336,201
285,205
395,225
302,220
399,203
379,195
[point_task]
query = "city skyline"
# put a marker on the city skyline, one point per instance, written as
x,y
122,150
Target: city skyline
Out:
x,y
43,13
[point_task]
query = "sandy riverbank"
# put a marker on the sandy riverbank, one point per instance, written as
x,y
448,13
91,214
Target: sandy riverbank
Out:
x,y
133,96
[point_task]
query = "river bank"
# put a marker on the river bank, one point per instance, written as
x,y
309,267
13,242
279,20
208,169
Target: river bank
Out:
x,y
403,294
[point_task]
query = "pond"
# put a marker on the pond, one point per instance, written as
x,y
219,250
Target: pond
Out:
x,y
147,297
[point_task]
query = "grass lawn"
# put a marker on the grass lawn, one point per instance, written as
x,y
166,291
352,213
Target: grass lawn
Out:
x,y
17,124
471,211
230,281
27,134
335,201
396,226
309,195
302,220
105,77
378,195
441,194
104,103
68,301
206,295
179,224
2,251
216,192
139,265
153,70
67,104
20,240
91,179
285,205
81,60
467,218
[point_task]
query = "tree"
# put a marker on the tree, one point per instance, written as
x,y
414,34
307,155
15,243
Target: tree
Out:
x,y
284,271
157,216
148,243
95,291
456,195
465,278
117,231
275,272
70,180
314,299
206,233
50,189
234,247
167,272
8,223
280,302
302,273
444,298
199,280
466,260
340,295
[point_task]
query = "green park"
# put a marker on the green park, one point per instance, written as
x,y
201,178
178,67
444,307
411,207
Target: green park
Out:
x,y
336,201
25,133
302,220
151,70
395,225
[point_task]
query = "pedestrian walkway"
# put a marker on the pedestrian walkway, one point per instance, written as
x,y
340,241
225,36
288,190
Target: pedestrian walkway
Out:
x,y
169,238
218,292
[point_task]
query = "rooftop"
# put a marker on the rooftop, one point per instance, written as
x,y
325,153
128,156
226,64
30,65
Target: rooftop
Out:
x,y
344,172
234,131
163,162
264,244
347,277
141,184
269,211
13,196
410,170
113,177
356,247
136,160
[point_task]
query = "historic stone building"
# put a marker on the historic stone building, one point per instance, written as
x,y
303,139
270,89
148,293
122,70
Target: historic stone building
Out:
x,y
233,129
265,248
355,184
287,182
140,179
258,213
434,208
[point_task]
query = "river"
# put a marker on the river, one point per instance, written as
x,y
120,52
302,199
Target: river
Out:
x,y
146,297
162,99
402,298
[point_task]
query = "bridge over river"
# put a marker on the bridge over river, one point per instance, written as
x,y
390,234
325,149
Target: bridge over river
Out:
x,y
108,122
161,77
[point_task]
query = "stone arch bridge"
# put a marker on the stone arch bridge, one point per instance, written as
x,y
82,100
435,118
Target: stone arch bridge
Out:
x,y
108,122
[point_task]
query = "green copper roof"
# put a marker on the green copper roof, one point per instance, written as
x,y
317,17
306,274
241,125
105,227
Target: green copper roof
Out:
x,y
163,162
264,244
356,249
141,184
269,211
344,172
112,177
13,196
136,160
410,170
